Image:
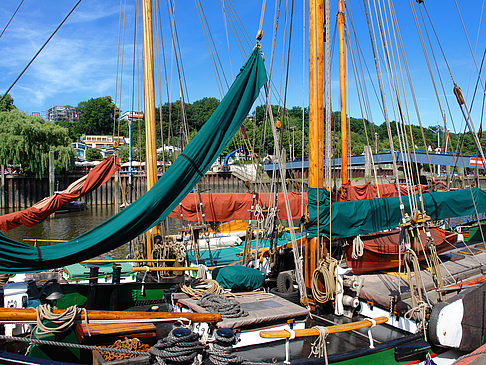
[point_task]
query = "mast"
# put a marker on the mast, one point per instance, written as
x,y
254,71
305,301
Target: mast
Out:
x,y
149,107
316,118
342,81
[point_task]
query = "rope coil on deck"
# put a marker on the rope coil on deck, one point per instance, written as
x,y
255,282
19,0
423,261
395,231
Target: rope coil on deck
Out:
x,y
227,307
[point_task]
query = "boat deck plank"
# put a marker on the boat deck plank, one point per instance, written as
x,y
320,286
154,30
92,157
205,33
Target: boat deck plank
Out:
x,y
262,308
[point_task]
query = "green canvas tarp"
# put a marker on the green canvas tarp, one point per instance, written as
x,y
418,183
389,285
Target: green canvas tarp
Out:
x,y
352,218
155,205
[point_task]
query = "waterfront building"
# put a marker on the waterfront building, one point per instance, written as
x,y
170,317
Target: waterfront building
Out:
x,y
58,113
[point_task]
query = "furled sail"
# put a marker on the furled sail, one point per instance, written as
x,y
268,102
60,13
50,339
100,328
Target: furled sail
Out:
x,y
155,205
35,214
352,218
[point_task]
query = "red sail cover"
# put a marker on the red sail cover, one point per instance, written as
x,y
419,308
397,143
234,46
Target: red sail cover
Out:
x,y
41,210
223,207
370,191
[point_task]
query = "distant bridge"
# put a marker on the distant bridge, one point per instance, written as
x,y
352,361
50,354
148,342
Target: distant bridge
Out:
x,y
444,159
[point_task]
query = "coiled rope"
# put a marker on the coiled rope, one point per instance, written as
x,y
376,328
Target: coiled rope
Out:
x,y
326,270
62,321
211,287
227,307
180,345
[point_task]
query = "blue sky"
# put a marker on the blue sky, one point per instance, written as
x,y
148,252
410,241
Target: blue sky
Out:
x,y
80,62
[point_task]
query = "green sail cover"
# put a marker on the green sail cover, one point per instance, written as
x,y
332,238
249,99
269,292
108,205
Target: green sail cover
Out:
x,y
352,218
155,205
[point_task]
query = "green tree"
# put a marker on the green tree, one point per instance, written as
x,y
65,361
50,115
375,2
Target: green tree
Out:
x,y
26,141
93,154
96,115
7,103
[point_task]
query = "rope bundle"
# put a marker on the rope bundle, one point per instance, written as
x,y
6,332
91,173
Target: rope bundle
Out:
x,y
181,345
212,287
227,307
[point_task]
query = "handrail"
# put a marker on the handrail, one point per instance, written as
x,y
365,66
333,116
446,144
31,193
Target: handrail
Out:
x,y
332,329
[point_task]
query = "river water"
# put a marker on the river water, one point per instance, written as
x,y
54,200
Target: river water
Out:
x,y
67,226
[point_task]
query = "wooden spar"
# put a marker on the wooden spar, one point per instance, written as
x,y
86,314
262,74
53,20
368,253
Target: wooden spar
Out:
x,y
170,268
149,107
316,119
30,314
332,329
125,260
342,81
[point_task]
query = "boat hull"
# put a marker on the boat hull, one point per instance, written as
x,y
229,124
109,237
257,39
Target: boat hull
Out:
x,y
380,252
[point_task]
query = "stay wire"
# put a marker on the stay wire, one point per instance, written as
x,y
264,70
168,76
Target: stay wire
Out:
x,y
8,23
40,50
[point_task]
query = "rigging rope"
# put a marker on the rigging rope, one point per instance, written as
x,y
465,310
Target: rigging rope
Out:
x,y
40,50
15,12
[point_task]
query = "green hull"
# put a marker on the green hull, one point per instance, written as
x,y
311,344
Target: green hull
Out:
x,y
109,296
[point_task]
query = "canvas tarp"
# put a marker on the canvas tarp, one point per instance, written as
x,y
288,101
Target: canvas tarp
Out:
x,y
352,218
155,205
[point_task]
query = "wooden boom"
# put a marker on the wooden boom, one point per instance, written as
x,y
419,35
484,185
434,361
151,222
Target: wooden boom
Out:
x,y
332,329
30,314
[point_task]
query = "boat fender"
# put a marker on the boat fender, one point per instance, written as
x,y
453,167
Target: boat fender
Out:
x,y
285,283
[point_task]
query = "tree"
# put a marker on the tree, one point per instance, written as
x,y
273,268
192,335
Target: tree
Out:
x,y
26,140
7,104
96,115
93,154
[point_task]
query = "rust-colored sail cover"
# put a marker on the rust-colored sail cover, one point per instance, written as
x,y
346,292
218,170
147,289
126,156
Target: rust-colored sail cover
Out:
x,y
41,210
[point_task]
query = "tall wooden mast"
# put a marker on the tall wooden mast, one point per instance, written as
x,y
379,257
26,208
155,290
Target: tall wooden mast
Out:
x,y
149,107
316,118
342,81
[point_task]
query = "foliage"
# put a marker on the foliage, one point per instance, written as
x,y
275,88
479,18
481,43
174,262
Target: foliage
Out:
x,y
6,104
96,116
26,140
93,154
